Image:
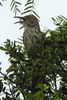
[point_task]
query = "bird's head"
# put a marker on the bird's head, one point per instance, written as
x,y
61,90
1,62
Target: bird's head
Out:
x,y
29,21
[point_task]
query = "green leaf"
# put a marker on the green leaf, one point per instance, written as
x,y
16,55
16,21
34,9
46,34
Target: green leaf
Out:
x,y
43,87
28,7
10,69
18,10
17,94
56,96
29,0
28,3
36,14
38,96
1,4
1,86
28,96
13,5
26,11
12,2
4,89
2,48
18,3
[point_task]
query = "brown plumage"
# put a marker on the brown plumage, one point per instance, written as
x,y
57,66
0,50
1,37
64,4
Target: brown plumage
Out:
x,y
31,37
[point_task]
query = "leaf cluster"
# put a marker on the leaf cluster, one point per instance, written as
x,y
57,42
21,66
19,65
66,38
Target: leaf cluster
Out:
x,y
14,6
29,8
37,79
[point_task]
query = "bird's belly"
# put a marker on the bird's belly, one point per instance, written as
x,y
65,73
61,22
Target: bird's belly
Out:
x,y
29,40
31,43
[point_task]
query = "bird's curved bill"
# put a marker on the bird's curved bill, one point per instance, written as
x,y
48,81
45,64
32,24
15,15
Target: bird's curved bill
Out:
x,y
21,21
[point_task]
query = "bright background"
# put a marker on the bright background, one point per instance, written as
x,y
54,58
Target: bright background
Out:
x,y
44,8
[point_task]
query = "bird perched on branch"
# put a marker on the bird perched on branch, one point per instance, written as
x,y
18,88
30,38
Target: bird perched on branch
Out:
x,y
31,36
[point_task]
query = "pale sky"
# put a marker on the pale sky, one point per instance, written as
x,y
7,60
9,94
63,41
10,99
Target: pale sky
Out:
x,y
44,8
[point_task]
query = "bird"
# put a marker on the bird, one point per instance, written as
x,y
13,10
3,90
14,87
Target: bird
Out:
x,y
31,35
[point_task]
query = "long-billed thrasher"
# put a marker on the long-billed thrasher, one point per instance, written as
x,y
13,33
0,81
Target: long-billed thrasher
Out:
x,y
31,38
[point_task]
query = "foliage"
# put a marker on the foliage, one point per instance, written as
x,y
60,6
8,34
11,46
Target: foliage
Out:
x,y
37,79
14,5
29,7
